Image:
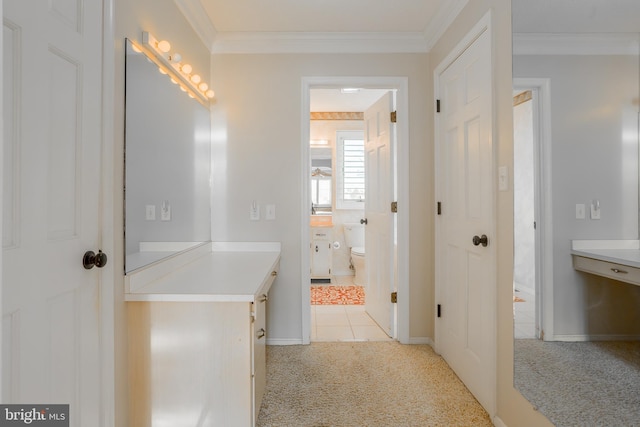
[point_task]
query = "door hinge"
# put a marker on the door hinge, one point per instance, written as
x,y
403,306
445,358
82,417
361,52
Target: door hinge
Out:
x,y
439,311
437,105
439,208
535,226
394,297
393,116
394,207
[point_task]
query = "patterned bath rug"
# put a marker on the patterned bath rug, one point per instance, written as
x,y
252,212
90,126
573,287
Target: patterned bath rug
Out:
x,y
337,295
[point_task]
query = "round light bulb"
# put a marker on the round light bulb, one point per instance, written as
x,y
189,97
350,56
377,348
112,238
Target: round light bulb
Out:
x,y
186,68
162,71
210,93
182,89
195,78
174,82
136,48
203,86
175,58
164,46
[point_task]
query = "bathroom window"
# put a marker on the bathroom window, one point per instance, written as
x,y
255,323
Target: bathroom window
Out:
x,y
350,173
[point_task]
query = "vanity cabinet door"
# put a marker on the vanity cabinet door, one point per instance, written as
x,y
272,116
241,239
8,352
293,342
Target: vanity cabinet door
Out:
x,y
321,254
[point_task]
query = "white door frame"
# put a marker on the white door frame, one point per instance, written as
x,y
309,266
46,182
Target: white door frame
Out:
x,y
401,85
541,88
106,237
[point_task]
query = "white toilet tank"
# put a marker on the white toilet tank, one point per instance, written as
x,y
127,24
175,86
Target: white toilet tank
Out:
x,y
353,235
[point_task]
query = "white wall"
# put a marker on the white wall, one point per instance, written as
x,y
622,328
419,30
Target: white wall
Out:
x,y
594,133
257,156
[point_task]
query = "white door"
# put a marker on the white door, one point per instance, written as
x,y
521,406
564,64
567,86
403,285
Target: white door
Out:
x,y
465,270
52,66
378,240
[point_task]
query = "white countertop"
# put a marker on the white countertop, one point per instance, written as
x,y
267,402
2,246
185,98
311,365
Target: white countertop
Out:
x,y
230,272
623,252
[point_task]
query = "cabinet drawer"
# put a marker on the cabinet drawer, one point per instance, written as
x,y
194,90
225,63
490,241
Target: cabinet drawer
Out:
x,y
321,234
623,273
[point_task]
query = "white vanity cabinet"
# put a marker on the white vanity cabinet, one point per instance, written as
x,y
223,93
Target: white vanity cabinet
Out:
x,y
197,357
321,253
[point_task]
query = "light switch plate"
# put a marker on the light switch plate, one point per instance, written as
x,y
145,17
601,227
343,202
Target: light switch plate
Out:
x,y
270,212
503,178
150,212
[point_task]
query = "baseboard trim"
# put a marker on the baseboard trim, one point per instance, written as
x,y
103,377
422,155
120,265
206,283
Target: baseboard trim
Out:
x,y
583,338
284,341
497,422
420,341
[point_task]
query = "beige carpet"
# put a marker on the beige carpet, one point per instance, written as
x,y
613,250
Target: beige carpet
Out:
x,y
374,384
581,383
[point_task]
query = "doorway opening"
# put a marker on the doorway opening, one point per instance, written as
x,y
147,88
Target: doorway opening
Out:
x,y
524,215
335,275
339,189
533,259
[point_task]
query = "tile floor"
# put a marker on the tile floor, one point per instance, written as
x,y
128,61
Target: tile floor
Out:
x,y
524,315
344,322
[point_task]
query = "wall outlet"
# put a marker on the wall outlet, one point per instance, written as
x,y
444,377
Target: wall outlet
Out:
x,y
254,211
595,209
580,211
165,211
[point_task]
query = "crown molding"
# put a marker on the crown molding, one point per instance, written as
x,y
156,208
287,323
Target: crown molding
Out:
x,y
316,42
576,44
319,42
199,20
443,18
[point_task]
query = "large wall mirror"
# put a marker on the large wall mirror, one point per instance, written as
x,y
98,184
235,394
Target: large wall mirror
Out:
x,y
167,165
576,68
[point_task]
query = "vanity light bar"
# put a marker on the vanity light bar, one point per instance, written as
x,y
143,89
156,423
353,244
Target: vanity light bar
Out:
x,y
180,73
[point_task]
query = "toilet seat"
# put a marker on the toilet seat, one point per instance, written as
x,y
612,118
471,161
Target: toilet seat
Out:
x,y
358,251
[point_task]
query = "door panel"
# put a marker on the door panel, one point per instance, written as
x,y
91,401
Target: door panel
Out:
x,y
52,63
378,197
465,272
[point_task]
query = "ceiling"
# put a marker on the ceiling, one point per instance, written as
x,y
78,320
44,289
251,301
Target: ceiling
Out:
x,y
274,26
576,16
335,100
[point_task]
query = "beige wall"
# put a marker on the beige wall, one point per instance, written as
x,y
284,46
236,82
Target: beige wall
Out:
x,y
257,156
512,408
130,17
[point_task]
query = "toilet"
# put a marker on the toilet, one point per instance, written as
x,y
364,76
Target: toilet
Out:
x,y
354,238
